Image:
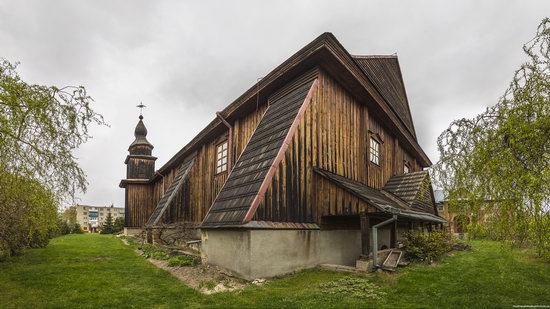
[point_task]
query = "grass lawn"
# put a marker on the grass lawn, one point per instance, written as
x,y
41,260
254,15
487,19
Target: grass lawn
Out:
x,y
99,271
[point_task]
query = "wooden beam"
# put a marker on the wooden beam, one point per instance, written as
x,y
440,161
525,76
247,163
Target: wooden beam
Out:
x,y
393,234
365,233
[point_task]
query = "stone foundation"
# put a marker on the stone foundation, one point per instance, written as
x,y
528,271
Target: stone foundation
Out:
x,y
132,231
177,234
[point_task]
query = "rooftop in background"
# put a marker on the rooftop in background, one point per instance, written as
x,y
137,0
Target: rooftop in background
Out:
x,y
96,206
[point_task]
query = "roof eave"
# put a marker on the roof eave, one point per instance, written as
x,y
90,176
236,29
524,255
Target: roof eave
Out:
x,y
294,65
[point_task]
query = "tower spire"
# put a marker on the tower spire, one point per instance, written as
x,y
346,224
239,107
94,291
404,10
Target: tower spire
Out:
x,y
141,106
140,161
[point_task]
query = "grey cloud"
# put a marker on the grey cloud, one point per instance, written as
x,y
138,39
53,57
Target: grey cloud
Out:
x,y
187,60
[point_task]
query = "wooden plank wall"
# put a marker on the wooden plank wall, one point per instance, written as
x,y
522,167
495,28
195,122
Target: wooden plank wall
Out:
x,y
203,184
332,135
139,205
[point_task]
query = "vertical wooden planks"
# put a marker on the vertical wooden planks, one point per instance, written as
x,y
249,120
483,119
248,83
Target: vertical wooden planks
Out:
x,y
333,135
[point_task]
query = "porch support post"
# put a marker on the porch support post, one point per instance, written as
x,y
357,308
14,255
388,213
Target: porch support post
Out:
x,y
393,234
375,238
365,233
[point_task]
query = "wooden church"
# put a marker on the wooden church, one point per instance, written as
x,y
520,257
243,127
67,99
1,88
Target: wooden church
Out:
x,y
317,163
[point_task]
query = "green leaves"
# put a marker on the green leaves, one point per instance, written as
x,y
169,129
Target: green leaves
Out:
x,y
427,247
40,126
498,162
181,261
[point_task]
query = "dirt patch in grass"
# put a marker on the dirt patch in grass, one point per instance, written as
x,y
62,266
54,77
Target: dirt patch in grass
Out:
x,y
205,278
187,268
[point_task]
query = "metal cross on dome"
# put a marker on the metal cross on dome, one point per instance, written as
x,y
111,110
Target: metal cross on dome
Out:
x,y
141,106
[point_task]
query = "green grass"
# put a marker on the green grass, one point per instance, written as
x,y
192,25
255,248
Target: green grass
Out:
x,y
99,271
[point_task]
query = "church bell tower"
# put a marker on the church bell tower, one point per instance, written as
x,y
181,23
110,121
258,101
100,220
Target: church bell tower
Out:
x,y
140,169
140,164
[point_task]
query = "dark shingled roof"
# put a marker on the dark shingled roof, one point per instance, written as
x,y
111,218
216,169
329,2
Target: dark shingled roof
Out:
x,y
385,74
382,200
325,49
171,193
243,184
140,134
414,188
374,197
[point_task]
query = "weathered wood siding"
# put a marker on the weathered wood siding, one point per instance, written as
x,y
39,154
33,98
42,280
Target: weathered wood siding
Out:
x,y
199,190
203,184
333,135
139,205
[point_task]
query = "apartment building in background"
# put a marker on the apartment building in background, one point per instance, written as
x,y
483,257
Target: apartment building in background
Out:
x,y
91,218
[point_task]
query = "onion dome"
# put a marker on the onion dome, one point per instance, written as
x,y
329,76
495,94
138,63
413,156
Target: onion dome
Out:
x,y
140,133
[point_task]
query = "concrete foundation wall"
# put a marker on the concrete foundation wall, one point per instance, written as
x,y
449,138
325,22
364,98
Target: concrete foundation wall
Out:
x,y
384,235
229,249
255,254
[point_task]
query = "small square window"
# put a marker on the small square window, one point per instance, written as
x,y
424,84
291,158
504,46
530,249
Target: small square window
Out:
x,y
374,151
406,168
221,157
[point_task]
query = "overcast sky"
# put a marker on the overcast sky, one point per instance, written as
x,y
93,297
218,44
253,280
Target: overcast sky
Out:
x,y
187,60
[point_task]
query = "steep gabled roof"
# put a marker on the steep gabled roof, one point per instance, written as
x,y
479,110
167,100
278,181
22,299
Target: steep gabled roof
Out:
x,y
245,186
325,50
415,189
384,72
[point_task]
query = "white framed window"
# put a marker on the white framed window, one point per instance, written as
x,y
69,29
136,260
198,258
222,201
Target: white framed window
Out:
x,y
221,157
374,151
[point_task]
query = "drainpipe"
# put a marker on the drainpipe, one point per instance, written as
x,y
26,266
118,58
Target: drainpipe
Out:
x,y
375,238
229,142
162,182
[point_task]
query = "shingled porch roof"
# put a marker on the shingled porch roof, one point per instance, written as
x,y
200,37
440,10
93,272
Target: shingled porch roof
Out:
x,y
382,200
415,189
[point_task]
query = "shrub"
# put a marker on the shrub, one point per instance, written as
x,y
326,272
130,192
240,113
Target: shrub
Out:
x,y
427,247
118,225
63,227
353,287
28,214
76,229
181,260
150,251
